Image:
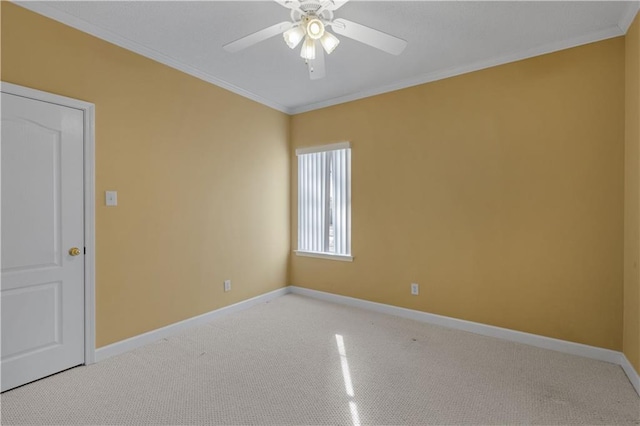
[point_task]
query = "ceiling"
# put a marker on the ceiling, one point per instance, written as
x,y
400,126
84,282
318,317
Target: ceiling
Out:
x,y
445,38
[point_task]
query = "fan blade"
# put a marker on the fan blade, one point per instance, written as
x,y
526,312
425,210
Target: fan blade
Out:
x,y
333,4
257,37
316,66
289,4
330,5
366,35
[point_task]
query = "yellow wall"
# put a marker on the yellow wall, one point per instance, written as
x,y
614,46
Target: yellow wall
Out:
x,y
500,192
202,177
632,196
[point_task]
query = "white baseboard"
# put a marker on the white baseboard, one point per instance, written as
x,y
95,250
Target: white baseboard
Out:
x,y
558,345
172,329
564,346
631,372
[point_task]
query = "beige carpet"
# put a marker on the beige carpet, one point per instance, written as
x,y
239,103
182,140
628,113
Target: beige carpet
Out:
x,y
301,361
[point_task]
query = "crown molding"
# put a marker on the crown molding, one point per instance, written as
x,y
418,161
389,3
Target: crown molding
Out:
x,y
476,66
104,34
629,16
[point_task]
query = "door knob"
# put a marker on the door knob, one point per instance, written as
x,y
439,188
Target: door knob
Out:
x,y
74,251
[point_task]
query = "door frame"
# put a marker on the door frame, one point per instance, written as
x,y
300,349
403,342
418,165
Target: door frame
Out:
x,y
88,110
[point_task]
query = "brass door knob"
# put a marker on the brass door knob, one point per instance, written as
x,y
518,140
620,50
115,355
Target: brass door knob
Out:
x,y
74,251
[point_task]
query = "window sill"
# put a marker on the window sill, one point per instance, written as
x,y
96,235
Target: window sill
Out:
x,y
329,256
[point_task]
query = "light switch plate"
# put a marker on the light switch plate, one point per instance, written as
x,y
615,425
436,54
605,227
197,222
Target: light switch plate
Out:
x,y
111,198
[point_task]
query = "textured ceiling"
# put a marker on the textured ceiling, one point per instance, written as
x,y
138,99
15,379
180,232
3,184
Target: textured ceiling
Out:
x,y
445,38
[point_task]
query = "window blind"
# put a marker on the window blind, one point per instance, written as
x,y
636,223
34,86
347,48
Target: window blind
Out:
x,y
324,199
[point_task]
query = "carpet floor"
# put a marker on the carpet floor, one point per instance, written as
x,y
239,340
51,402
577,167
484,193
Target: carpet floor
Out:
x,y
296,360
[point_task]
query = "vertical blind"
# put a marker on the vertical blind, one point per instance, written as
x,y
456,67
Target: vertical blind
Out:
x,y
324,199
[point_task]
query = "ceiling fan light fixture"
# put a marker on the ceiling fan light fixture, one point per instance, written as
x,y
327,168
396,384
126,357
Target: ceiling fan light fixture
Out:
x,y
308,49
329,42
294,36
308,24
315,28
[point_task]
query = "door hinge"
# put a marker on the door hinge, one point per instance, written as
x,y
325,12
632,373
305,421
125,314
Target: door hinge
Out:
x,y
85,250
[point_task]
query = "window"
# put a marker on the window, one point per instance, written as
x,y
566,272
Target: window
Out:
x,y
324,201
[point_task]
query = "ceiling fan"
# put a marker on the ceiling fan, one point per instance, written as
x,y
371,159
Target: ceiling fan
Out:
x,y
309,22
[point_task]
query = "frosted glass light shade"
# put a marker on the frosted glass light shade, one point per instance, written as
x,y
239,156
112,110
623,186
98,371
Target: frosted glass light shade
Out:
x,y
308,49
293,36
329,42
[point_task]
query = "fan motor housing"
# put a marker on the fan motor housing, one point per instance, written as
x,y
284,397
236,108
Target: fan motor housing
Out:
x,y
310,9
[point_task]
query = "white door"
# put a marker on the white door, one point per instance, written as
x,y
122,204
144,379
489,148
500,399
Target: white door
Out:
x,y
42,290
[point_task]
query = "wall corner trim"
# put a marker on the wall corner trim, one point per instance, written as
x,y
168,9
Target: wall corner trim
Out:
x,y
135,342
558,345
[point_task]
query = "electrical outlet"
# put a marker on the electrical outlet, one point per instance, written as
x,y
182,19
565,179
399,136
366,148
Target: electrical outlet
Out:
x,y
227,285
111,198
415,289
